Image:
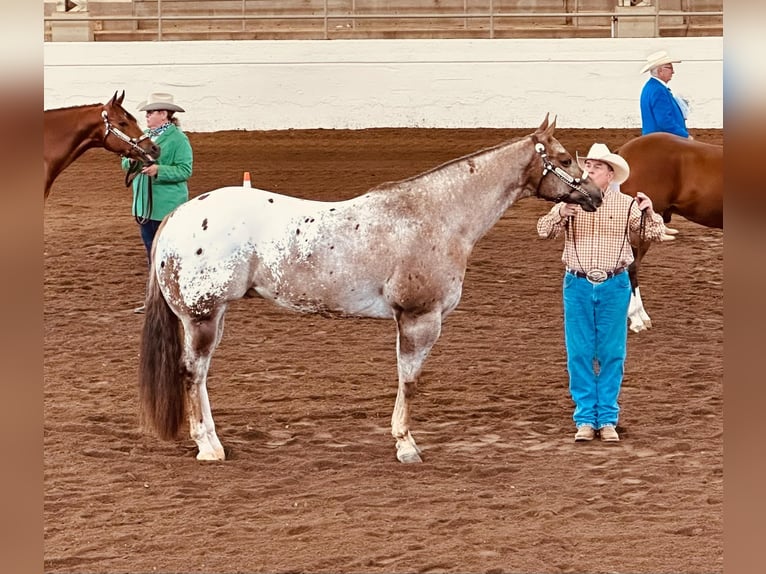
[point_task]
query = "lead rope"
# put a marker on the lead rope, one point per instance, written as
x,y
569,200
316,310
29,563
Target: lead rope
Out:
x,y
641,234
140,219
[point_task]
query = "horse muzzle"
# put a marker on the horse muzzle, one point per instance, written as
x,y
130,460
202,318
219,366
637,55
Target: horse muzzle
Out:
x,y
152,151
587,196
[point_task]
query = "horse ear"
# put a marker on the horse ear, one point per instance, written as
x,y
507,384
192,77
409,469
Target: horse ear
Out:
x,y
551,128
122,97
543,126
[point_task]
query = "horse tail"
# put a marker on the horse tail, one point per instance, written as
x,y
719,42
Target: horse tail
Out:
x,y
161,374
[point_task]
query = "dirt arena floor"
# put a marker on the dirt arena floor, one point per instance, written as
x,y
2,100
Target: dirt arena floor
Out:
x,y
303,403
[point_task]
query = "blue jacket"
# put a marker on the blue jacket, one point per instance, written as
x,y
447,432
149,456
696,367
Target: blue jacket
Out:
x,y
659,110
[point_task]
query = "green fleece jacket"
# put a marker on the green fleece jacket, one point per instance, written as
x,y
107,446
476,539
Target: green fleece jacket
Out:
x,y
169,188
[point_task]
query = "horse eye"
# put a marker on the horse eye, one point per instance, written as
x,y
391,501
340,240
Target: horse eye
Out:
x,y
566,162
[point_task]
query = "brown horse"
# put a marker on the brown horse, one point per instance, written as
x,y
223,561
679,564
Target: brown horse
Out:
x,y
397,252
69,132
680,175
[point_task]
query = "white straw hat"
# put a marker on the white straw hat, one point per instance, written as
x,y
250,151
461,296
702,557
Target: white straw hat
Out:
x,y
159,101
599,152
656,59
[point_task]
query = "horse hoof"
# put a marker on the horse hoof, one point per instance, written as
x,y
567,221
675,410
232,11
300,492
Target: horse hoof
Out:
x,y
407,451
210,456
408,457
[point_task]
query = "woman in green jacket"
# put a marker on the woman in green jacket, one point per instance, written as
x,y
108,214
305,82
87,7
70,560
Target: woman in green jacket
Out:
x,y
160,186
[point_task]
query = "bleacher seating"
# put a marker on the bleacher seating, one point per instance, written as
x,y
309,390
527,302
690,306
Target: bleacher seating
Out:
x,y
133,20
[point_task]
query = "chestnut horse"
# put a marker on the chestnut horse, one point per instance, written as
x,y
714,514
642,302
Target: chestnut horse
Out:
x,y
69,132
680,175
397,252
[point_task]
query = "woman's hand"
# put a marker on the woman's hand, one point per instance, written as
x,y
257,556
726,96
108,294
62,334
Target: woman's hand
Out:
x,y
151,170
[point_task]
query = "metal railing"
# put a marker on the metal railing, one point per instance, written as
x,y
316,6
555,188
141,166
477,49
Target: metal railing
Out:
x,y
490,17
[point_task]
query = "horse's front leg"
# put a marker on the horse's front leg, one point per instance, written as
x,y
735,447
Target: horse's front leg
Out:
x,y
416,335
202,338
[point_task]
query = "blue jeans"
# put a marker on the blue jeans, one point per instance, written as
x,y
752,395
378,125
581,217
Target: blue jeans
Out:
x,y
148,231
596,336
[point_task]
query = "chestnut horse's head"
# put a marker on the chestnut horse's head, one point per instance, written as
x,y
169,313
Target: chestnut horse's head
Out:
x,y
562,179
123,135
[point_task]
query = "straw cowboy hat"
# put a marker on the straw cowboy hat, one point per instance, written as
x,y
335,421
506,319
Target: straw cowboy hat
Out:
x,y
657,59
599,152
159,101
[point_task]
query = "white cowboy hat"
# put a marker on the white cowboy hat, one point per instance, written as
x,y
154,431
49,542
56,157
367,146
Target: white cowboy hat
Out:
x,y
656,59
159,101
599,152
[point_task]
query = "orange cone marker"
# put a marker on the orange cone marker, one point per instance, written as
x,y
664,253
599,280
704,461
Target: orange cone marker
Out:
x,y
246,180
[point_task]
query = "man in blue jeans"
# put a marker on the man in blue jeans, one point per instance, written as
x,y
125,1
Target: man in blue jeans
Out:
x,y
596,288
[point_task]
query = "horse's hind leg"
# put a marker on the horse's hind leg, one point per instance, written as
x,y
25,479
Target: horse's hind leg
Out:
x,y
201,339
637,315
416,335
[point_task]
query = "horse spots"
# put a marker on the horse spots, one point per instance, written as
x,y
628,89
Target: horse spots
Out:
x,y
308,220
162,265
471,166
332,209
204,224
332,247
297,231
356,226
203,196
199,251
271,200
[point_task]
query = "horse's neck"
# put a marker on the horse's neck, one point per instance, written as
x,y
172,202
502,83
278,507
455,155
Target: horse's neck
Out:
x,y
480,188
69,132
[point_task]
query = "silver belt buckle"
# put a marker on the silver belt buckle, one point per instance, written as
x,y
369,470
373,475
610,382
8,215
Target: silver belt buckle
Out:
x,y
596,276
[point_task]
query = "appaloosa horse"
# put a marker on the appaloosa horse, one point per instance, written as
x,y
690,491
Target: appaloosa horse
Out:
x,y
398,252
681,176
69,132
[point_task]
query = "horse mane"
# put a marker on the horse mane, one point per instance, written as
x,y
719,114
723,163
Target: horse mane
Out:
x,y
73,107
388,184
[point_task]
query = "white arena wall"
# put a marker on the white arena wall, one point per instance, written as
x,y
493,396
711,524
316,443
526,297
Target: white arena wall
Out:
x,y
356,84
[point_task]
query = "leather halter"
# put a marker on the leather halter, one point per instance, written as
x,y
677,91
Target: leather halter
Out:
x,y
548,167
133,143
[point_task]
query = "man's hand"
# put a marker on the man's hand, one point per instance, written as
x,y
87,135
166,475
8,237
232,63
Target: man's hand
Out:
x,y
644,203
568,209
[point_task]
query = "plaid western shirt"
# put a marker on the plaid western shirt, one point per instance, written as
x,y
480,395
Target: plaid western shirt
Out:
x,y
601,239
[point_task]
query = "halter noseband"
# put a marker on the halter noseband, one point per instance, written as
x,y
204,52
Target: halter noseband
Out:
x,y
133,143
548,167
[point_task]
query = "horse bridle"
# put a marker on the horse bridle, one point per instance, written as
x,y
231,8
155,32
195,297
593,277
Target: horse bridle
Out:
x,y
133,143
573,182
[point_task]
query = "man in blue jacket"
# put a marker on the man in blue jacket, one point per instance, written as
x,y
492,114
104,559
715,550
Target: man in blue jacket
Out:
x,y
660,110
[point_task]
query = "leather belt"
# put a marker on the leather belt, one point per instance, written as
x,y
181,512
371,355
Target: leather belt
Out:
x,y
596,275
